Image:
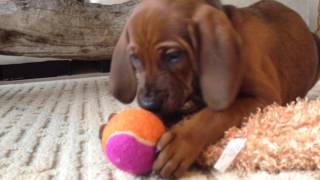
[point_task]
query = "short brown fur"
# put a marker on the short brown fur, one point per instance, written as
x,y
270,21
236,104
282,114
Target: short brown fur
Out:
x,y
225,61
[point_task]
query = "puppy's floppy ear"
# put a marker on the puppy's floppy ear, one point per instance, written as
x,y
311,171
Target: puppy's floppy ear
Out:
x,y
122,77
219,54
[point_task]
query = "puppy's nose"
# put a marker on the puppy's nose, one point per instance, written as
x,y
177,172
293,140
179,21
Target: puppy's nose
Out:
x,y
151,103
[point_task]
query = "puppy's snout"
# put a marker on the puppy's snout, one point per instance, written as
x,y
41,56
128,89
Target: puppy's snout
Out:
x,y
151,102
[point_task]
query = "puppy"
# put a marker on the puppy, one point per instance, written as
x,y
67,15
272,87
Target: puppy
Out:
x,y
215,63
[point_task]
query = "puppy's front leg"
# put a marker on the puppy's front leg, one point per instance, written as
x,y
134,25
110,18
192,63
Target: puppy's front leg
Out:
x,y
184,142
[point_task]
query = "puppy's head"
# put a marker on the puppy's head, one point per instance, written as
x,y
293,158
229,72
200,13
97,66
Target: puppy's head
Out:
x,y
172,51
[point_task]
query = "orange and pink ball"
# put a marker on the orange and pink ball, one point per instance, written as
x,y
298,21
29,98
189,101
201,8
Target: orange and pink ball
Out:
x,y
129,140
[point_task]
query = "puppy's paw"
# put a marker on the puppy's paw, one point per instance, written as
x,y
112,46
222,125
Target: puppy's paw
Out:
x,y
103,125
111,116
101,130
178,150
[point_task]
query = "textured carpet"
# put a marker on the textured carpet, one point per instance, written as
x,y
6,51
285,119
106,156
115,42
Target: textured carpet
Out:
x,y
49,130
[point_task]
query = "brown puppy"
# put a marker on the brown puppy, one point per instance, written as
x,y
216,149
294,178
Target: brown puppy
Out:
x,y
219,63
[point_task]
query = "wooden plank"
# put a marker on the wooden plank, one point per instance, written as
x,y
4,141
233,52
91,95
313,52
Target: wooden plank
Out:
x,y
61,28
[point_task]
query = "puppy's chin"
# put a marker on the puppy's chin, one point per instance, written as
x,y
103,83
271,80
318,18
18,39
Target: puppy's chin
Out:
x,y
171,117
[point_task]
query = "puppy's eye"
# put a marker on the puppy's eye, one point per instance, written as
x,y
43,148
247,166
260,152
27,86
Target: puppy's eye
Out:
x,y
173,57
135,60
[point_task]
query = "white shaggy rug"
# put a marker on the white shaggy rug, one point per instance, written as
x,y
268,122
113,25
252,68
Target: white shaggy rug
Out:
x,y
49,130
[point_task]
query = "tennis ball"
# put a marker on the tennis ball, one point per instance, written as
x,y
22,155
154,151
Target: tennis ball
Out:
x,y
129,140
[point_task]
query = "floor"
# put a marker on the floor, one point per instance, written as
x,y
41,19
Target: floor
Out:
x,y
49,130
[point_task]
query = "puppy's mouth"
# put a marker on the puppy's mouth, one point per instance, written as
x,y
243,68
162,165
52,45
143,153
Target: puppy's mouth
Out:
x,y
191,105
188,107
